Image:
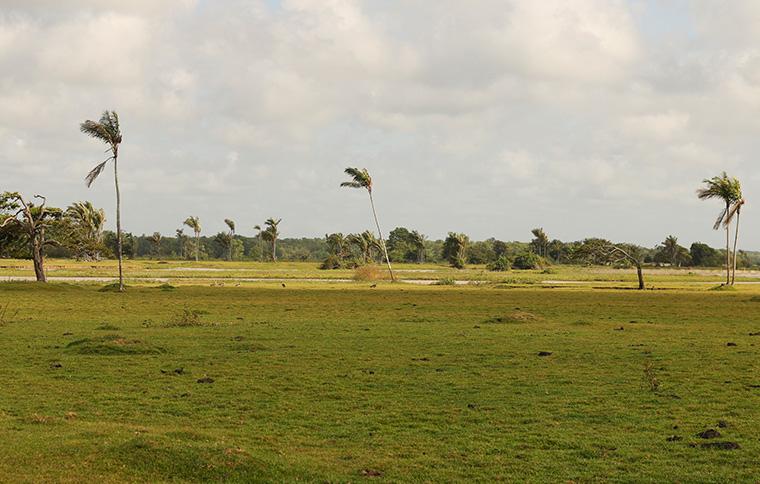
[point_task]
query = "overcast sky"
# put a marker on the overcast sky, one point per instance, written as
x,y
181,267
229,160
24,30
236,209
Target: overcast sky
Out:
x,y
490,117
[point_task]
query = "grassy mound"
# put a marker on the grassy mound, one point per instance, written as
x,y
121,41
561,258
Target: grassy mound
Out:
x,y
112,345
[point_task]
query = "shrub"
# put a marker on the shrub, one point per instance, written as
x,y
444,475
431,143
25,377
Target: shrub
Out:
x,y
446,281
369,272
527,260
502,264
332,262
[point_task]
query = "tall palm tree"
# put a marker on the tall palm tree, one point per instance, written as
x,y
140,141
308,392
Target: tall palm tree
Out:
x,y
735,211
270,234
727,190
231,225
108,131
181,242
195,224
362,179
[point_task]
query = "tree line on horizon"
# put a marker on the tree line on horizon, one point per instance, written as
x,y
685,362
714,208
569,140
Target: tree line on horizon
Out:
x,y
31,229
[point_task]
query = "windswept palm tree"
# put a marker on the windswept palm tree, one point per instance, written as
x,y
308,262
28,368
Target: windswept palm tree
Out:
x,y
231,225
88,222
670,247
362,179
181,242
195,224
727,190
108,131
155,239
270,234
735,211
418,242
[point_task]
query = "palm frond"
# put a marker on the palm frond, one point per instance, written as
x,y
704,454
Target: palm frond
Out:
x,y
733,211
720,219
95,172
95,130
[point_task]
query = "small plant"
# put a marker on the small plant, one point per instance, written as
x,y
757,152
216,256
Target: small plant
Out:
x,y
5,315
650,377
446,281
186,317
368,273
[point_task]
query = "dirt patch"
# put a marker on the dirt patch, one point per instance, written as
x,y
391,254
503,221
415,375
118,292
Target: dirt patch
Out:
x,y
515,317
709,434
717,445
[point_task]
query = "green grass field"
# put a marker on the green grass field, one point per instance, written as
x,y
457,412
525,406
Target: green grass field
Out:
x,y
342,382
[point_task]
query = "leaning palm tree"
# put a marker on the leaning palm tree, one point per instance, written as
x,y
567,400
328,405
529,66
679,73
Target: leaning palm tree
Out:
x,y
231,225
362,179
735,211
195,224
727,190
418,242
270,234
107,130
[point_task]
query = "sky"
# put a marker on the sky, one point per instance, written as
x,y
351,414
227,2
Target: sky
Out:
x,y
489,117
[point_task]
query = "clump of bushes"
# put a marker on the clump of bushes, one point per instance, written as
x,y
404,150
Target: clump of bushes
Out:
x,y
502,264
527,260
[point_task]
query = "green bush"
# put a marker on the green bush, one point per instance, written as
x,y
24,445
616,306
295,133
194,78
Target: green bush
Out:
x,y
527,260
502,264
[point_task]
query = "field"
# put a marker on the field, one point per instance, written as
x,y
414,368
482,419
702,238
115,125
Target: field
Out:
x,y
204,375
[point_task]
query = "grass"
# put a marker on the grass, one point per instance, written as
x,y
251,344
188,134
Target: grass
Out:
x,y
344,382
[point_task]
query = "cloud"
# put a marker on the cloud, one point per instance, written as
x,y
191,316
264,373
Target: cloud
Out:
x,y
465,112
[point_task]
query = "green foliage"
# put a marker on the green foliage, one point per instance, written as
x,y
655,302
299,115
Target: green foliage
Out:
x,y
455,249
527,260
502,264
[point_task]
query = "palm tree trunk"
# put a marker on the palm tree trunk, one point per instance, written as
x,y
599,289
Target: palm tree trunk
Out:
x,y
118,222
382,240
274,249
197,246
736,238
728,248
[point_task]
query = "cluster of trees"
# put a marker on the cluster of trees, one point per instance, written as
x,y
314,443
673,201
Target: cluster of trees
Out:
x,y
30,228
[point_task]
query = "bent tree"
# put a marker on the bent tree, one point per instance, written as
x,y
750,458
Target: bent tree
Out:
x,y
195,224
32,221
727,190
108,131
362,179
231,224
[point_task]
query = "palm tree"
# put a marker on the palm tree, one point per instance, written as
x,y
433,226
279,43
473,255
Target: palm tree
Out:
x,y
362,179
88,222
541,241
418,242
181,242
671,248
735,211
155,239
728,190
270,234
107,130
231,225
195,224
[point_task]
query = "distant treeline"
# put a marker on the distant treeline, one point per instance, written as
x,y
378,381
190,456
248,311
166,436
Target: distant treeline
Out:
x,y
355,249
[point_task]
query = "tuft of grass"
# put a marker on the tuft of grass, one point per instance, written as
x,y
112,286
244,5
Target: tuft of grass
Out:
x,y
446,281
108,327
369,272
650,377
112,345
113,287
166,287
